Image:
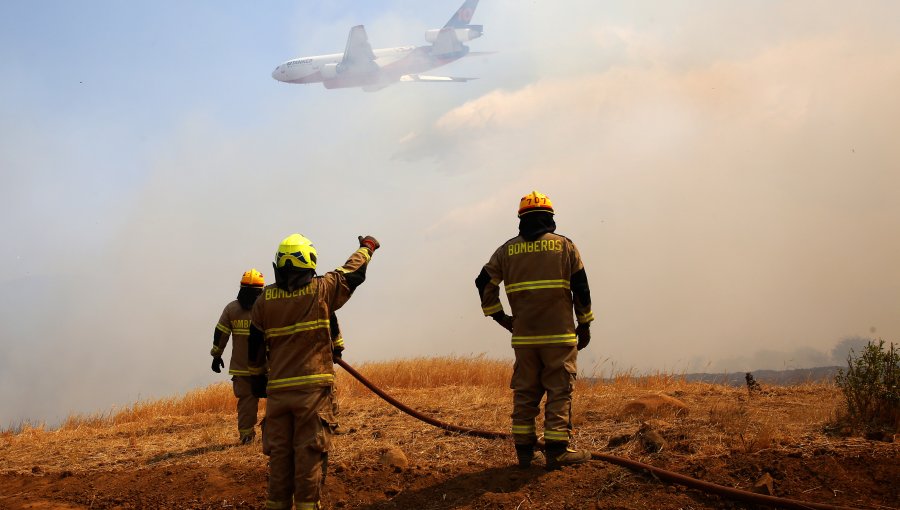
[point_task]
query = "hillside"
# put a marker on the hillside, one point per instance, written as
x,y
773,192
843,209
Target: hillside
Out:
x,y
182,453
791,377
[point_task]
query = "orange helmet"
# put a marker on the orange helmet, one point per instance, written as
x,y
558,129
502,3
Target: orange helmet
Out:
x,y
535,201
253,278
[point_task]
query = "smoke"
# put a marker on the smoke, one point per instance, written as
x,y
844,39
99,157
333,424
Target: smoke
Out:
x,y
737,207
735,203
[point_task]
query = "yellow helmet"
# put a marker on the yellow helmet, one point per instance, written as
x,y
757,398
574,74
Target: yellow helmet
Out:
x,y
535,201
297,251
253,278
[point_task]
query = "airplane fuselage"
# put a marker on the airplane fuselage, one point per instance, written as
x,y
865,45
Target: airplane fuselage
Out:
x,y
362,66
389,66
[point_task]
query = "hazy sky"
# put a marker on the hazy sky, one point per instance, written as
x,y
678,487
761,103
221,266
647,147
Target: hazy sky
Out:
x,y
729,170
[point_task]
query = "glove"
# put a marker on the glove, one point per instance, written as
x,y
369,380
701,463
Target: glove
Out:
x,y
258,385
336,352
505,321
583,331
369,242
217,364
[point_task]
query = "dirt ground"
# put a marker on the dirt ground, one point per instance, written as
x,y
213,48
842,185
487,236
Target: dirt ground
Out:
x,y
723,436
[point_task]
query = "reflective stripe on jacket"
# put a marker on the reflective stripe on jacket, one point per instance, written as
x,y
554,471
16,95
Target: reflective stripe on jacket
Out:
x,y
537,278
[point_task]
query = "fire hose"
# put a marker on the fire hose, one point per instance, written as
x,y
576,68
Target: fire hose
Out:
x,y
661,474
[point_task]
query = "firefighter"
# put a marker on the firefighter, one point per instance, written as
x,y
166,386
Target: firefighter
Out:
x,y
235,322
544,281
291,325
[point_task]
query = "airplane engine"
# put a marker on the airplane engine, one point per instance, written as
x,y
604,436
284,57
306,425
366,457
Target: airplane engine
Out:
x,y
467,33
331,71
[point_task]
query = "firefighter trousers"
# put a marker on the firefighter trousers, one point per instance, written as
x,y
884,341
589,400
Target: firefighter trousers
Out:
x,y
299,425
539,371
247,406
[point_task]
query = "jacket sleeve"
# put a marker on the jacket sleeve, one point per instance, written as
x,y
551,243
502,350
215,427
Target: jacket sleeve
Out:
x,y
221,334
341,282
581,292
488,285
256,341
337,339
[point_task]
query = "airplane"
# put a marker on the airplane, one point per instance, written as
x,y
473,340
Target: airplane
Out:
x,y
361,66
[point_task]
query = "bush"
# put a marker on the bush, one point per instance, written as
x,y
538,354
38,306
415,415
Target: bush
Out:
x,y
871,387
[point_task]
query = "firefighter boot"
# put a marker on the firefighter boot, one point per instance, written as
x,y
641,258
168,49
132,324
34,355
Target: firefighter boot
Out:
x,y
527,454
559,454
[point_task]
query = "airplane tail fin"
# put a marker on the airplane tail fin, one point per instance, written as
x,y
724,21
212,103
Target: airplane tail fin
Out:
x,y
463,15
449,39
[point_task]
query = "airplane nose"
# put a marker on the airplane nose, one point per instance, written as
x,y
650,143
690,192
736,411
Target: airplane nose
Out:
x,y
277,73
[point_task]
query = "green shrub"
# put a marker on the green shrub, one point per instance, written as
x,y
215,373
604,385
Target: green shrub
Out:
x,y
871,387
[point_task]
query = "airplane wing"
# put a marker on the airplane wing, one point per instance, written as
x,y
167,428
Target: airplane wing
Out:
x,y
419,77
358,52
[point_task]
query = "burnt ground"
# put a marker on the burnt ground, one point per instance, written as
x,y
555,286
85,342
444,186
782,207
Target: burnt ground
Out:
x,y
722,436
864,479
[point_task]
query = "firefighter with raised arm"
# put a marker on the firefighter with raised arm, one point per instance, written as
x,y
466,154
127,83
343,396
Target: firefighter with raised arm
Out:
x,y
548,292
235,323
291,326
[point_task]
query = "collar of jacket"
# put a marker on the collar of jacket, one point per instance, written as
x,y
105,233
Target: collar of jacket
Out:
x,y
536,224
290,279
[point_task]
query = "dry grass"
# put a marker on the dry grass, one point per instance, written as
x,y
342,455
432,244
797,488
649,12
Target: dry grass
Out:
x,y
215,398
416,373
428,373
466,391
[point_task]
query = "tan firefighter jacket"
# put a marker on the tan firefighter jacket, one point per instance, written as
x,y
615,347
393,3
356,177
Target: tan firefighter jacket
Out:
x,y
234,322
537,276
297,327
